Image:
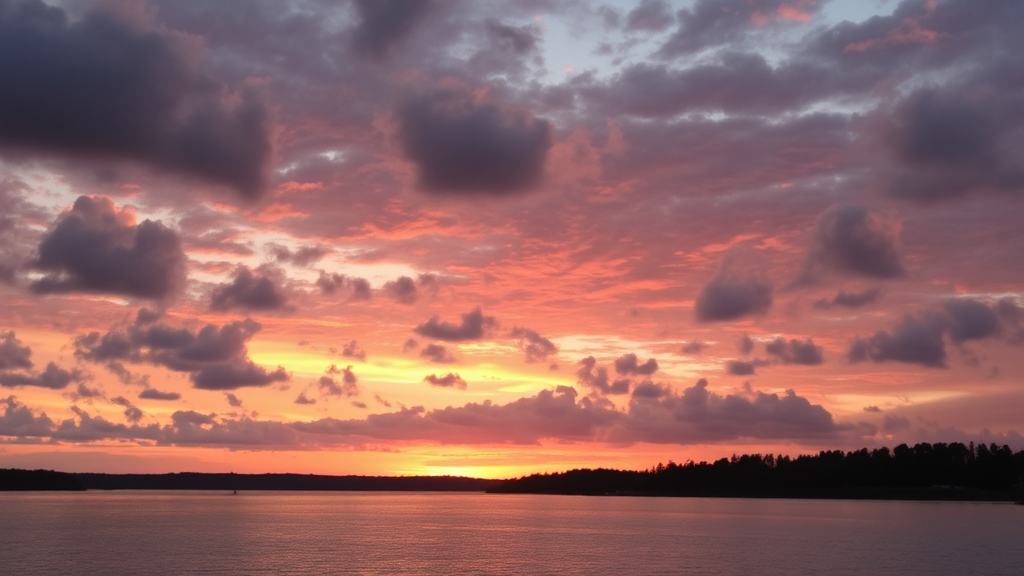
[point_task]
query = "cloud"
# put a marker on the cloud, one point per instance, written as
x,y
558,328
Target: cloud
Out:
x,y
712,23
438,354
131,412
84,391
474,326
700,415
656,414
383,24
745,345
922,340
53,377
303,256
730,295
795,352
629,365
352,350
851,240
951,141
410,344
536,347
449,380
95,247
233,401
20,422
249,291
154,394
464,147
649,16
302,399
330,283
744,367
402,290
215,358
596,377
13,354
914,341
96,86
850,299
971,320
693,347
330,386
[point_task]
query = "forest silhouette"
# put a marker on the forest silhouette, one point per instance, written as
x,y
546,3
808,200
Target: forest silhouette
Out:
x,y
925,471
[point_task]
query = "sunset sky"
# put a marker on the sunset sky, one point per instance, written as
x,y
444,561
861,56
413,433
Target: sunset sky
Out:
x,y
493,238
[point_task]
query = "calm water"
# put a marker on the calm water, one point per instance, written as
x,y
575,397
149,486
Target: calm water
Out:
x,y
143,532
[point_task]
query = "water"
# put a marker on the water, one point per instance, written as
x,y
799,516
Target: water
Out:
x,y
148,532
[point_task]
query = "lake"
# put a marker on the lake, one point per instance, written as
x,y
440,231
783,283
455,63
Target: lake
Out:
x,y
176,532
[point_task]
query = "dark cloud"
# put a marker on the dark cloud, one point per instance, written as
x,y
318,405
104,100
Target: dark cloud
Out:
x,y
233,401
971,320
215,358
154,394
744,367
914,341
536,347
352,350
730,295
465,147
649,16
53,377
347,387
98,87
700,415
892,423
438,354
330,283
850,299
650,390
591,375
303,256
302,399
515,39
952,141
131,412
224,376
84,391
656,414
629,365
712,23
19,421
795,352
449,380
474,326
852,240
95,247
410,344
402,290
13,354
251,291
873,409
746,345
921,340
383,24
693,347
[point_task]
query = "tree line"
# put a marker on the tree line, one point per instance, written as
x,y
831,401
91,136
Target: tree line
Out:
x,y
924,471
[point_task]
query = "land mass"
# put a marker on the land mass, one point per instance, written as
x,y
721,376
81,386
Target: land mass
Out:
x,y
923,472
48,480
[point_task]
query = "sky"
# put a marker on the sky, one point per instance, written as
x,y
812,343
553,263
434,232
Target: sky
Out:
x,y
496,238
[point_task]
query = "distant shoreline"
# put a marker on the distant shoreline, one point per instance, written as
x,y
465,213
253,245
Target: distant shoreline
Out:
x,y
949,472
48,480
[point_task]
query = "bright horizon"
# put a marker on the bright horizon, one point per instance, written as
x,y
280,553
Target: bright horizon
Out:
x,y
489,240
